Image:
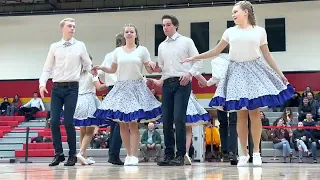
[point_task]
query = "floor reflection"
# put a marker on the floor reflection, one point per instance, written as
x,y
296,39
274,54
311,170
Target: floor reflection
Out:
x,y
150,171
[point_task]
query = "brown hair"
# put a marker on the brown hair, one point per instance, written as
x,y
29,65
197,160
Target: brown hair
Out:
x,y
120,41
246,5
136,30
173,19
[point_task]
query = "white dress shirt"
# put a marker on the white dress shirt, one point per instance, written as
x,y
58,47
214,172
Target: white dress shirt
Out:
x,y
219,67
107,78
66,62
35,102
174,50
86,83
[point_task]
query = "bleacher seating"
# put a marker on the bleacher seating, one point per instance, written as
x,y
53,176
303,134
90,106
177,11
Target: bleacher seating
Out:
x,y
35,153
12,118
41,114
7,123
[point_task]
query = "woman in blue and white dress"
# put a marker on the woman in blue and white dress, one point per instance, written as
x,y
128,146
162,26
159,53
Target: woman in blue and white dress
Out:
x,y
130,101
250,83
196,115
83,117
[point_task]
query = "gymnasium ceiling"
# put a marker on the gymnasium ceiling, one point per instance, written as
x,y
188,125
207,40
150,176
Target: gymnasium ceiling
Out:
x,y
11,7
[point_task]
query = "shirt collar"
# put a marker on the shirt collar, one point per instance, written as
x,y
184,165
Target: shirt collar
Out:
x,y
174,37
72,41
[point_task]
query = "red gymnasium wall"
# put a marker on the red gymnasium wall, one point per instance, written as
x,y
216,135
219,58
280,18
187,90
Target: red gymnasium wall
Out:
x,y
25,88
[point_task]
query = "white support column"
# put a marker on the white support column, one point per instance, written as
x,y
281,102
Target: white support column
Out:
x,y
198,143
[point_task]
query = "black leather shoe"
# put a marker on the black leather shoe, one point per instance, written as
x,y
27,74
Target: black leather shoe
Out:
x,y
116,161
165,161
72,160
57,160
177,161
225,157
232,156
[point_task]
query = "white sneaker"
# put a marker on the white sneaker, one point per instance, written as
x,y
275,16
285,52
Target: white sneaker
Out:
x,y
256,159
82,159
90,161
134,161
127,161
187,160
243,161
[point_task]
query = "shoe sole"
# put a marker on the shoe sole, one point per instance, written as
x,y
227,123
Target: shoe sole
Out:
x,y
164,165
69,164
177,164
56,164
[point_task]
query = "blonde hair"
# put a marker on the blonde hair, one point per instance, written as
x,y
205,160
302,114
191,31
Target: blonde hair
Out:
x,y
137,41
63,22
246,5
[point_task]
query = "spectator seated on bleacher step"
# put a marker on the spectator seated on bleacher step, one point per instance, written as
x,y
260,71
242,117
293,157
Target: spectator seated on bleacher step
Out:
x,y
33,106
14,107
4,105
308,121
315,141
265,133
305,108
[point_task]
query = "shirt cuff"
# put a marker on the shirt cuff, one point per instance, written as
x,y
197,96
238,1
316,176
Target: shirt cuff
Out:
x,y
193,72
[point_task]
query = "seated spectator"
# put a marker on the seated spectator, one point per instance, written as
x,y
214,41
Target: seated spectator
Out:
x,y
265,122
295,101
314,103
304,108
305,93
308,121
150,140
287,116
315,141
300,139
275,123
317,97
280,138
15,106
33,106
100,140
4,106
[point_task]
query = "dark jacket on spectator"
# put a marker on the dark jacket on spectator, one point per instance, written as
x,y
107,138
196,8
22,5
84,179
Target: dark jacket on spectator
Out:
x,y
156,138
298,134
314,104
309,123
305,109
295,101
4,105
315,135
265,122
278,134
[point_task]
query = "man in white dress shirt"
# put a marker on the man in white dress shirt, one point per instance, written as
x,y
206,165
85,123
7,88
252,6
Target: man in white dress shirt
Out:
x,y
33,106
176,88
109,80
65,59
